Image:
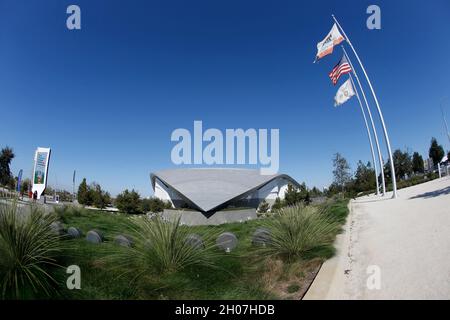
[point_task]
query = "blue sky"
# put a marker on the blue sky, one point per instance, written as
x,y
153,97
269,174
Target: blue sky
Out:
x,y
107,97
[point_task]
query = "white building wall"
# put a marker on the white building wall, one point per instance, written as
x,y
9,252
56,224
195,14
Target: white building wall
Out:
x,y
274,189
164,193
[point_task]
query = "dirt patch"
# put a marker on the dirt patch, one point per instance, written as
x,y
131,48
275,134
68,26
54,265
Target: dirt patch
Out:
x,y
290,281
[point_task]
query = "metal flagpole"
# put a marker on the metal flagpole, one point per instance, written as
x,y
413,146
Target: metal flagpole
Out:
x,y
445,122
386,137
380,157
73,185
368,133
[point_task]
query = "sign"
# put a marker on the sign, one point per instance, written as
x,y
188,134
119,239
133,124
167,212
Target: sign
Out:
x,y
41,160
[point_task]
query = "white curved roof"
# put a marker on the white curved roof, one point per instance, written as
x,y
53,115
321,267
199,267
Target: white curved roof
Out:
x,y
208,188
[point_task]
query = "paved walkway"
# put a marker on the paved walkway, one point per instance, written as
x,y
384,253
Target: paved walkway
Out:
x,y
406,239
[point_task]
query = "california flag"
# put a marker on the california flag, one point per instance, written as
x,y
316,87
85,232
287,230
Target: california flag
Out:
x,y
344,93
325,47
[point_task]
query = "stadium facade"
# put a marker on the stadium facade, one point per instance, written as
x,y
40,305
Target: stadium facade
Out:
x,y
208,190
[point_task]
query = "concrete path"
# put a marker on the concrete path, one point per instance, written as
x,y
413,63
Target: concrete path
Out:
x,y
405,241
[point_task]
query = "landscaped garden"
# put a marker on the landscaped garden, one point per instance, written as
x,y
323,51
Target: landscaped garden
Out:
x,y
160,263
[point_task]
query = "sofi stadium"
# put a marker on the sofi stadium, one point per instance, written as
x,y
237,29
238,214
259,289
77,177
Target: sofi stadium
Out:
x,y
211,194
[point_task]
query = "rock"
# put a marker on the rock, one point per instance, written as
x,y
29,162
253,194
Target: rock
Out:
x,y
261,237
57,227
94,236
227,241
195,241
73,232
123,241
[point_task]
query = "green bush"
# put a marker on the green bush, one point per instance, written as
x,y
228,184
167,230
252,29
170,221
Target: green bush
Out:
x,y
154,205
129,202
263,207
29,249
298,229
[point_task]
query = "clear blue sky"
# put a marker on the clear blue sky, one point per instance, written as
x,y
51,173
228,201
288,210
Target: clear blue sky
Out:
x,y
107,97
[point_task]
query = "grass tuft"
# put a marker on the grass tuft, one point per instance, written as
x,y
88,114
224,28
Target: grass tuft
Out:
x,y
297,231
29,249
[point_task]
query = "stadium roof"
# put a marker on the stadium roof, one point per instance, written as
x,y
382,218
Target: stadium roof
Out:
x,y
209,188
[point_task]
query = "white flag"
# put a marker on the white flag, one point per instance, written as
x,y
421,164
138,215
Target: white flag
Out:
x,y
344,93
333,38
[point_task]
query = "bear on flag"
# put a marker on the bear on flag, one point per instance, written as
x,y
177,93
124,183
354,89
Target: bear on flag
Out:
x,y
325,47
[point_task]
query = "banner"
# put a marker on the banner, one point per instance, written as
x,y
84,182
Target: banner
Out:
x,y
41,160
19,180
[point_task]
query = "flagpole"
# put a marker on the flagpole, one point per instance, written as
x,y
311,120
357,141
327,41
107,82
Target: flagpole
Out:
x,y
380,157
368,133
386,137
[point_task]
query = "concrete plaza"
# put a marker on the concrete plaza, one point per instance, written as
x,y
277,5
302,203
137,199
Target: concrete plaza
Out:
x,y
406,239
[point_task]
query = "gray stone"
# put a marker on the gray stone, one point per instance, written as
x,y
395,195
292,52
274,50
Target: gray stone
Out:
x,y
57,227
261,237
123,241
227,241
94,236
195,241
73,232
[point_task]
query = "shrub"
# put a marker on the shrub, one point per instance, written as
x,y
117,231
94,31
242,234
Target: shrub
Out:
x,y
129,202
160,247
28,249
277,205
154,205
298,229
263,207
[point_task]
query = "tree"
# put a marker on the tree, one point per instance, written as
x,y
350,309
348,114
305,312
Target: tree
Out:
x,y
263,207
364,177
83,193
402,164
294,195
129,202
100,198
341,171
25,185
315,192
6,156
436,151
417,163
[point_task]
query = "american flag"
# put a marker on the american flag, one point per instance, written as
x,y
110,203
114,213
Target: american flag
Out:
x,y
341,68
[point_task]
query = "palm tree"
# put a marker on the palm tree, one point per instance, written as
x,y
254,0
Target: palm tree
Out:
x,y
6,156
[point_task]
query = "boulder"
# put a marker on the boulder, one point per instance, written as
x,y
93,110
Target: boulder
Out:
x,y
94,236
123,240
73,232
57,227
227,241
261,237
195,241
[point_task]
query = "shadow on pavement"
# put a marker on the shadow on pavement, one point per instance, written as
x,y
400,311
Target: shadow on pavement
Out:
x,y
433,194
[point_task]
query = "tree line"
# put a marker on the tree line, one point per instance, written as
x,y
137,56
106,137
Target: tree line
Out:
x,y
406,165
127,201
